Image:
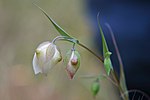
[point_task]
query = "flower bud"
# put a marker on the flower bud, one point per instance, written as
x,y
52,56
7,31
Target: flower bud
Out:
x,y
72,62
46,56
95,87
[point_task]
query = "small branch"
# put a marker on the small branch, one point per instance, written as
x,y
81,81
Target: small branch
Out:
x,y
99,57
88,76
58,38
108,78
99,76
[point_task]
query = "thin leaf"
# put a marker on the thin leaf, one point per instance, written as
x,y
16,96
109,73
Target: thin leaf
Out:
x,y
58,28
106,52
122,76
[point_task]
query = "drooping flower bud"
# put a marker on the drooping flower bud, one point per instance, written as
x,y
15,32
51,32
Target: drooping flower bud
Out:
x,y
95,87
72,62
46,56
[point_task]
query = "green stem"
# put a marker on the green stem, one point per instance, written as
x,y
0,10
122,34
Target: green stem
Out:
x,y
58,38
99,57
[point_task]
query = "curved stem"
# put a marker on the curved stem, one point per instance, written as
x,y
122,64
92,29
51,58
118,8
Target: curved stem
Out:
x,y
99,57
76,42
59,38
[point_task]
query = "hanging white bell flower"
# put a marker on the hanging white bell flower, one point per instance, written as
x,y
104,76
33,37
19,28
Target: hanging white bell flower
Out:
x,y
46,56
72,62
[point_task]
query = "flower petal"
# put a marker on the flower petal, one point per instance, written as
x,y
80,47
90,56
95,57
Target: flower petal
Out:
x,y
41,53
50,51
53,56
36,66
47,67
71,70
43,45
57,56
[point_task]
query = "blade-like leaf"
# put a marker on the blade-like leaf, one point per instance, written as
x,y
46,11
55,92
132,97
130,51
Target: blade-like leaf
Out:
x,y
106,52
122,75
58,28
105,47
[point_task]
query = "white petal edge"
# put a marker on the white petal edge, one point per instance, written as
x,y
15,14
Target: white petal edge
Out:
x,y
43,45
57,55
36,67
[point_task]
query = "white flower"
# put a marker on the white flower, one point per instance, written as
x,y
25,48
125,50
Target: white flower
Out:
x,y
46,56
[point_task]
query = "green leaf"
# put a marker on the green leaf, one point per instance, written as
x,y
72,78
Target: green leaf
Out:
x,y
107,65
105,47
58,28
106,53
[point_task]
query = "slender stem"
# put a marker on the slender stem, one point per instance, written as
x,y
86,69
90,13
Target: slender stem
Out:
x,y
116,79
100,76
69,39
108,78
58,38
99,57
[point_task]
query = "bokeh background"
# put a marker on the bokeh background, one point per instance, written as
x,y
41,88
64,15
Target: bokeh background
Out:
x,y
22,28
130,23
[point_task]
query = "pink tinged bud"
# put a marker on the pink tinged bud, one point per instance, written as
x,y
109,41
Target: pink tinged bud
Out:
x,y
72,63
46,56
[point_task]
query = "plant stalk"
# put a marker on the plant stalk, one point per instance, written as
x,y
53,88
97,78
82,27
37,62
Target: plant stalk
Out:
x,y
99,57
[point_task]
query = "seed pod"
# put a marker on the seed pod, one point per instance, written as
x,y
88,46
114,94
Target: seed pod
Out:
x,y
95,87
72,61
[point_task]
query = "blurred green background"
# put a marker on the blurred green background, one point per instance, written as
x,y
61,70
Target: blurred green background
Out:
x,y
22,28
